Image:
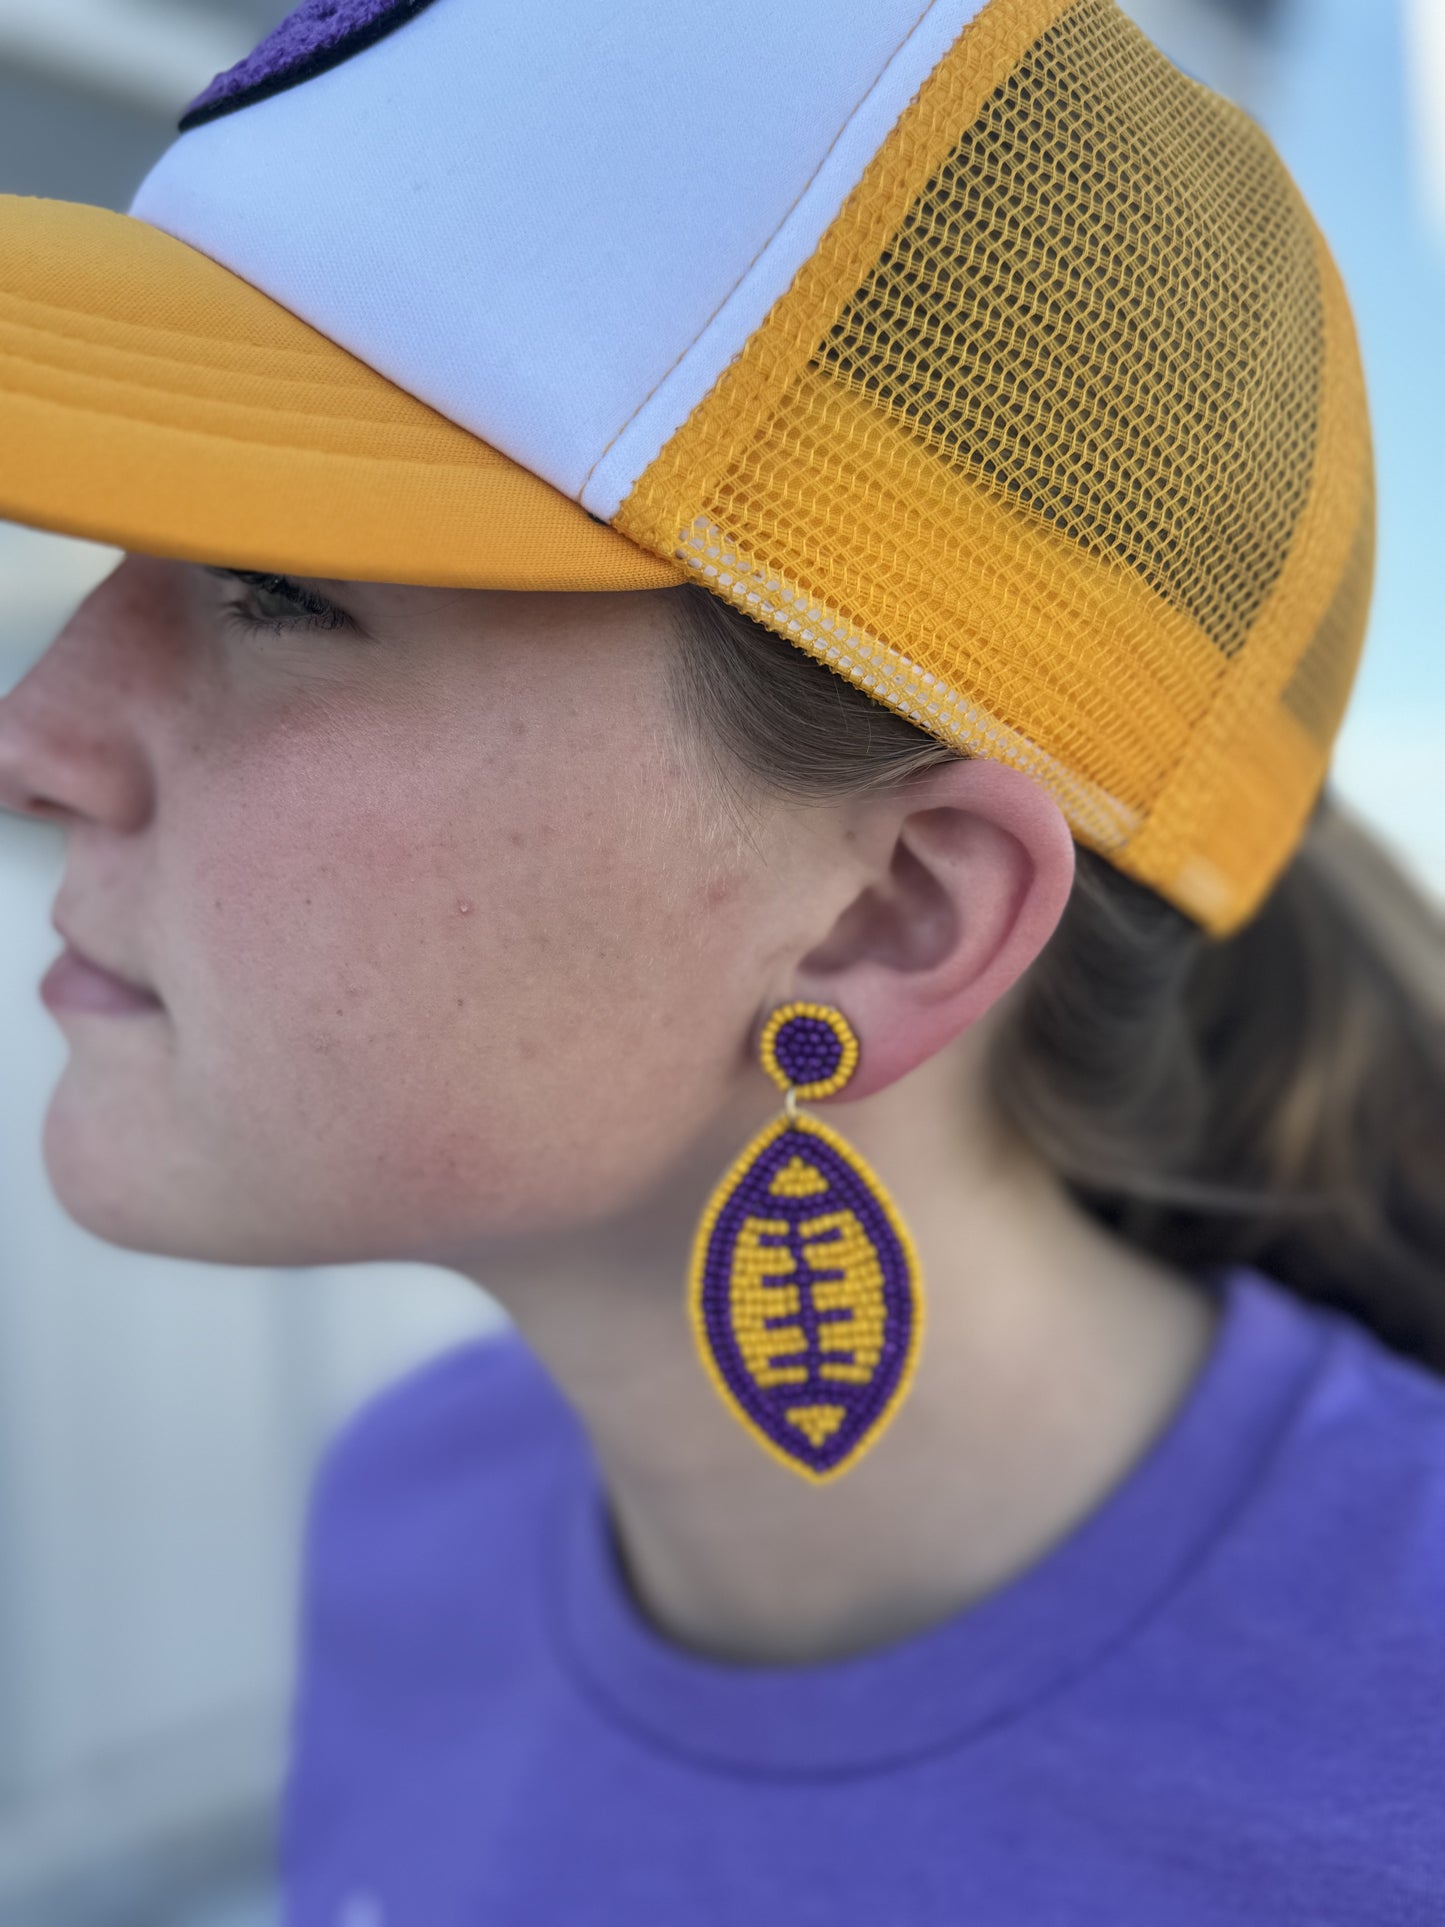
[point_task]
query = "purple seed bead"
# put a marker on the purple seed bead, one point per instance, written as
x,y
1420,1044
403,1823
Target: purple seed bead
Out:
x,y
808,1050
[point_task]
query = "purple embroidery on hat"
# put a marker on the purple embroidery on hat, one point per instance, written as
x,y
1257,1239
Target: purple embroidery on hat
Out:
x,y
318,35
802,1227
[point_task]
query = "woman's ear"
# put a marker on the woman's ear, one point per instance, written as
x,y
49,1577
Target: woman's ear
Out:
x,y
971,867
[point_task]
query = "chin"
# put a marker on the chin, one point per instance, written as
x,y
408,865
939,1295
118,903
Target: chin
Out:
x,y
125,1191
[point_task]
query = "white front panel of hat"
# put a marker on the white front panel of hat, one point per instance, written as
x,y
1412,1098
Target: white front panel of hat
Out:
x,y
556,223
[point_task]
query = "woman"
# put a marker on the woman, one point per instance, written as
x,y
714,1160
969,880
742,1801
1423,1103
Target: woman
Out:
x,y
922,585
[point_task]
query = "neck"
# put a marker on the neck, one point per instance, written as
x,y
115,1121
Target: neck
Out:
x,y
1053,1355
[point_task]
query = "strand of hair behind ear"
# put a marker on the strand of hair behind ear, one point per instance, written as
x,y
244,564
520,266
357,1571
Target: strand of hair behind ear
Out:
x,y
1275,1099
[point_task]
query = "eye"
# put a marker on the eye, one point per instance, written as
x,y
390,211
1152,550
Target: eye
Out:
x,y
278,602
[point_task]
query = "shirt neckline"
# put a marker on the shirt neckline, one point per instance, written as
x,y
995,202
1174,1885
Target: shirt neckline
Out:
x,y
989,1663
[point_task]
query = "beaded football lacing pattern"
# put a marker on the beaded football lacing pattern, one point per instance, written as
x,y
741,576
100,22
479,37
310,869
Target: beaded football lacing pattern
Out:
x,y
805,1294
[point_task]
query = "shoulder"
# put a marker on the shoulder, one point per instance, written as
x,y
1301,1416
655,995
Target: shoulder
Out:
x,y
424,1560
470,1430
1373,1423
1340,1562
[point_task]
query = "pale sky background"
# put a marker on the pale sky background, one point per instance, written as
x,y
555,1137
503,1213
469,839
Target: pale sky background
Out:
x,y
1356,103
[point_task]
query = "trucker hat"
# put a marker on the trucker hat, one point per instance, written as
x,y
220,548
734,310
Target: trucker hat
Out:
x,y
966,344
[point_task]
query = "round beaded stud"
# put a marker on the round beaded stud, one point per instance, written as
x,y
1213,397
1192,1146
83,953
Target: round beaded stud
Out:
x,y
804,1292
809,1049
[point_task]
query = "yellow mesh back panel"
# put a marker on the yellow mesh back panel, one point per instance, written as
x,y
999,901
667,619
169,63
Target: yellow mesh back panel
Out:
x,y
1059,446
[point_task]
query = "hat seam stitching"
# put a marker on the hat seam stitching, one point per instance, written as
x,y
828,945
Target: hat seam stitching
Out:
x,y
439,421
259,348
747,271
239,441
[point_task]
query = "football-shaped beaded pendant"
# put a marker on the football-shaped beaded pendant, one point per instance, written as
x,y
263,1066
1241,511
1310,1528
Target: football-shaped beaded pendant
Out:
x,y
805,1295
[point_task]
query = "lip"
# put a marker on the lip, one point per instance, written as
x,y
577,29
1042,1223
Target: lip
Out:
x,y
75,982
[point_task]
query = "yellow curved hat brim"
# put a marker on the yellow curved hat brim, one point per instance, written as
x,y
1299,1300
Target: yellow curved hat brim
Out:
x,y
151,399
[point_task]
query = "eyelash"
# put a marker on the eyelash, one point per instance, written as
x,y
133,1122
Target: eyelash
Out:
x,y
311,611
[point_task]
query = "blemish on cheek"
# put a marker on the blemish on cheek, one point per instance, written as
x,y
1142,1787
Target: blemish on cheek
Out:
x,y
465,906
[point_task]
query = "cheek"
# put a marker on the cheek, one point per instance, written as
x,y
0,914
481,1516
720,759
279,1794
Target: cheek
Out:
x,y
448,1003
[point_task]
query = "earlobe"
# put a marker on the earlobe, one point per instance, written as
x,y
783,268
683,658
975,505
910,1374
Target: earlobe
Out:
x,y
974,866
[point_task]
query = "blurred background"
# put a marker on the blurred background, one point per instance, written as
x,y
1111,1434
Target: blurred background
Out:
x,y
159,1421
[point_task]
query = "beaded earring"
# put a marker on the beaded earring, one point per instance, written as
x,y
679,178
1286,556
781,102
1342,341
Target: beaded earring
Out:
x,y
804,1294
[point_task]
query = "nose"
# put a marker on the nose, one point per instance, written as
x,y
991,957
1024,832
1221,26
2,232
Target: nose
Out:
x,y
70,743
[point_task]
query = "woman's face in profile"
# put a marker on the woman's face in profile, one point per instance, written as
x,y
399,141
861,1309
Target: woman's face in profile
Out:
x,y
430,899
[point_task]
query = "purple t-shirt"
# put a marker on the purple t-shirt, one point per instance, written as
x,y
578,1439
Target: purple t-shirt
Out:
x,y
1220,1699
